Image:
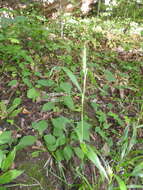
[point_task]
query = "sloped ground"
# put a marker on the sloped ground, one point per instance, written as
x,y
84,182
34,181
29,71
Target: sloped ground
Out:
x,y
32,57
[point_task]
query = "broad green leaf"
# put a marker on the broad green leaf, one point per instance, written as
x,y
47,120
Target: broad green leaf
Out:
x,y
2,155
66,87
26,141
72,77
9,176
52,147
58,132
50,83
50,139
8,161
16,101
92,156
61,140
48,106
83,129
109,76
59,155
68,153
33,93
50,142
59,125
40,126
43,82
79,152
5,137
11,109
121,183
12,83
68,101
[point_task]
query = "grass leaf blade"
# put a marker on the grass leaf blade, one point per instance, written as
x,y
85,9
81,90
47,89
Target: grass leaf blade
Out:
x,y
72,77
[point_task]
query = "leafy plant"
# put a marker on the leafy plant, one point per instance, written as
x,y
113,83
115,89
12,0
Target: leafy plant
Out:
x,y
7,160
10,111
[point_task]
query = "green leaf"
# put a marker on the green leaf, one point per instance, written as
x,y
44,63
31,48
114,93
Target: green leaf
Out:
x,y
14,40
58,132
61,140
135,186
59,155
9,176
15,112
59,125
11,109
102,133
5,137
124,149
66,87
50,142
79,152
2,155
68,101
86,133
41,126
28,58
16,101
50,139
72,77
50,83
27,82
121,183
33,93
138,169
109,76
92,156
7,163
68,153
26,141
12,83
48,106
43,82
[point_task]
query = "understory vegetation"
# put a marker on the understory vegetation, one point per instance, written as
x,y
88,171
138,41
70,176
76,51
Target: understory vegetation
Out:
x,y
71,100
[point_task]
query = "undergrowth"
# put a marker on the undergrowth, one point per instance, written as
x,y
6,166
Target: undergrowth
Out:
x,y
75,91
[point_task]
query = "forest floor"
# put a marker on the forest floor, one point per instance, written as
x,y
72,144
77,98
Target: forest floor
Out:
x,y
42,72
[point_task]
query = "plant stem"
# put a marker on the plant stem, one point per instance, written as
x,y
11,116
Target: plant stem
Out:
x,y
85,69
